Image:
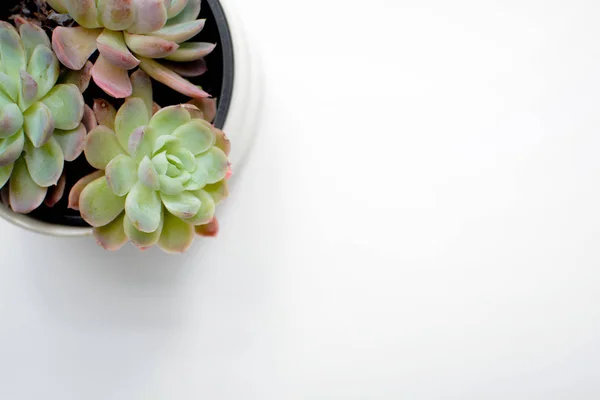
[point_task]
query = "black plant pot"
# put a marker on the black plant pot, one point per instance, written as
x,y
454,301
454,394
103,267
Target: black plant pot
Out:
x,y
218,81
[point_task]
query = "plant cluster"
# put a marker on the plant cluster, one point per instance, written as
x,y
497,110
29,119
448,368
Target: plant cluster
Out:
x,y
159,172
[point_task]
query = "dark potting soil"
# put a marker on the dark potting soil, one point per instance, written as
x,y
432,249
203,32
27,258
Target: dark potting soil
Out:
x,y
218,81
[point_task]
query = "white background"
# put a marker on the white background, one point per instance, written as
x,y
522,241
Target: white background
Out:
x,y
419,219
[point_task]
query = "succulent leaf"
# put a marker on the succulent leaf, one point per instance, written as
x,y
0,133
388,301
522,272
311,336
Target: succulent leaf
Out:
x,y
197,136
72,142
98,205
150,46
45,163
101,147
5,174
116,15
150,16
147,174
9,88
25,194
166,76
177,235
89,119
112,236
133,114
194,111
111,44
38,124
215,162
4,98
189,13
161,163
80,78
207,106
184,205
199,177
183,159
209,230
169,119
142,88
139,238
174,7
206,212
223,142
188,52
32,36
105,113
44,69
144,208
29,91
11,148
170,185
75,193
11,120
135,141
121,174
166,143
181,32
66,105
73,46
58,5
111,78
187,70
12,51
218,191
56,192
84,12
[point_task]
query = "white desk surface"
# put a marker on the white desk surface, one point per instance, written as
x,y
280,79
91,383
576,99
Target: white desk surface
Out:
x,y
419,219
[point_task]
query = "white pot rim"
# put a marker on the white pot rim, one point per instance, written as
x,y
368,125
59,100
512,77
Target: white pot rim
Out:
x,y
44,228
240,123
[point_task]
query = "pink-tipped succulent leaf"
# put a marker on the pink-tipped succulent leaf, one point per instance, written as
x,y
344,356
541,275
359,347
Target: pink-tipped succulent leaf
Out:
x,y
153,34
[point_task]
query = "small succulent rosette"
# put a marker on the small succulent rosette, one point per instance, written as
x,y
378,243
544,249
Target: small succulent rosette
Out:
x,y
40,120
160,176
151,34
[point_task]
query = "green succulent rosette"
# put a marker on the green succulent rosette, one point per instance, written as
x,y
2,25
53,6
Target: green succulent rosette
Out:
x,y
160,176
40,120
151,34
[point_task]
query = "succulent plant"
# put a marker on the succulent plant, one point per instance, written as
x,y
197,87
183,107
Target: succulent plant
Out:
x,y
160,175
132,33
40,120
